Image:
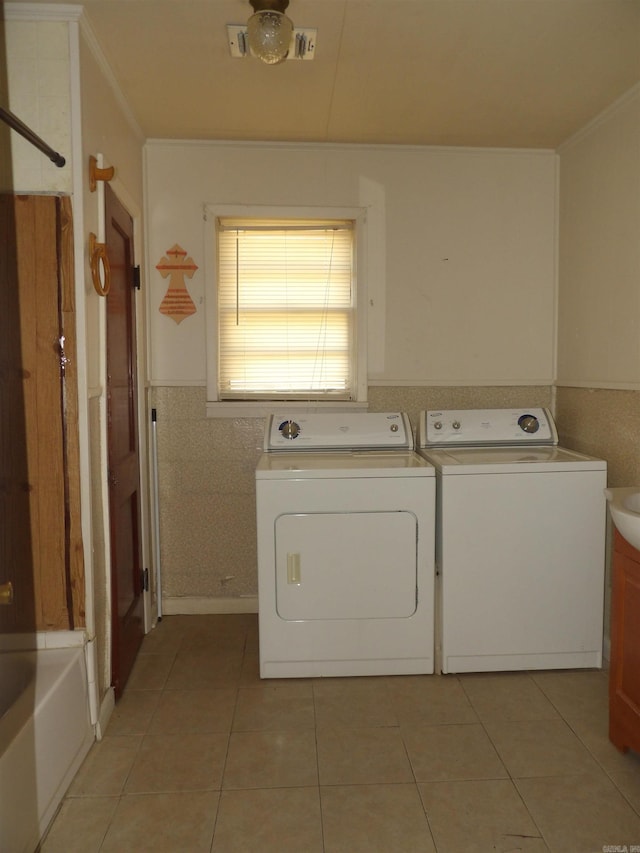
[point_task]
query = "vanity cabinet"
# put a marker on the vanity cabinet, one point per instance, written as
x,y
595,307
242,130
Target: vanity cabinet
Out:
x,y
624,684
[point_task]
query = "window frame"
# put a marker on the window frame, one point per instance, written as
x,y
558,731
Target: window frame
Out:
x,y
259,408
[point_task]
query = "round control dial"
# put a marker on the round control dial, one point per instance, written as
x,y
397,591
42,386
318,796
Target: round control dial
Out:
x,y
528,423
289,429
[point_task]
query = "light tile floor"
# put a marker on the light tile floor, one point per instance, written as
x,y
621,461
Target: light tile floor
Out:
x,y
200,755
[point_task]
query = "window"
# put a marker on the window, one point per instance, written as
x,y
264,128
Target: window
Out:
x,y
286,309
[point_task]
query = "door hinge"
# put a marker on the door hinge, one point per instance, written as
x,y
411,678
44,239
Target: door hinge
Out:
x,y
136,277
145,579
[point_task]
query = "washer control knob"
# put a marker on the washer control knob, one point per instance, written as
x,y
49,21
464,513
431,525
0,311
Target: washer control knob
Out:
x,y
528,423
289,429
437,425
456,424
394,427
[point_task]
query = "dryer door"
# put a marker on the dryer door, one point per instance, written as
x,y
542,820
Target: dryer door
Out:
x,y
349,565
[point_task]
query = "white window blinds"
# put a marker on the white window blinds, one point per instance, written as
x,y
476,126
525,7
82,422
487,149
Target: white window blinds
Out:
x,y
286,309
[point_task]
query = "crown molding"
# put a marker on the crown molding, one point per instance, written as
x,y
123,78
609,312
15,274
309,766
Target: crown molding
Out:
x,y
42,12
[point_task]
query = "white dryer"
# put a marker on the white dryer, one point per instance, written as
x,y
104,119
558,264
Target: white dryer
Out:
x,y
520,542
346,530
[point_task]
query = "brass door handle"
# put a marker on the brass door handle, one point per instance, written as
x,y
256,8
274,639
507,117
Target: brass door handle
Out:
x,y
6,593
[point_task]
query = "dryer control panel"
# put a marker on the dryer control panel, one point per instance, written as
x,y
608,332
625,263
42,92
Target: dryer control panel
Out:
x,y
338,431
486,427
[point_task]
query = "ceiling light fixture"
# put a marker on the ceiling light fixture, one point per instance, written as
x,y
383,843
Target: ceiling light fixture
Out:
x,y
303,42
269,30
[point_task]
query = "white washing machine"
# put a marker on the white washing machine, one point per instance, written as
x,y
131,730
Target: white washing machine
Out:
x,y
520,542
346,541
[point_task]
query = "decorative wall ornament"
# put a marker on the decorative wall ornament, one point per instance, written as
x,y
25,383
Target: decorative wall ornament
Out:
x,y
177,302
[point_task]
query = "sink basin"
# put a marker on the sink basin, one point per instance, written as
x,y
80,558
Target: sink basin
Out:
x,y
624,505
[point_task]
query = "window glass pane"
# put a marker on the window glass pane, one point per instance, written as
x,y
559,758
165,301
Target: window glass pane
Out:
x,y
286,309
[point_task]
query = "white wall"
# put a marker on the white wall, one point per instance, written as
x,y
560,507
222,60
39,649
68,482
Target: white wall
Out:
x,y
109,131
39,95
599,266
462,246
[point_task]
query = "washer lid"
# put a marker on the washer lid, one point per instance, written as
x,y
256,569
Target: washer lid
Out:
x,y
486,427
294,431
510,460
354,465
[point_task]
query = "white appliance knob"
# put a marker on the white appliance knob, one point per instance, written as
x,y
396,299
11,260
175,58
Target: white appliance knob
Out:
x,y
394,427
456,424
437,425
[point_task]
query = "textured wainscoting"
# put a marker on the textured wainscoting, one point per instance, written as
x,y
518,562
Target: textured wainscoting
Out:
x,y
603,423
207,486
414,399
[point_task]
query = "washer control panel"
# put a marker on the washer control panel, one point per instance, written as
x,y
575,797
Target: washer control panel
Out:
x,y
339,431
486,427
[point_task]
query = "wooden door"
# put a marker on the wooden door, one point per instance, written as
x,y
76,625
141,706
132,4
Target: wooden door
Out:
x,y
127,605
624,683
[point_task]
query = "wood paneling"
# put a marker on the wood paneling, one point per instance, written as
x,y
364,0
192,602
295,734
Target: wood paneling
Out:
x,y
41,548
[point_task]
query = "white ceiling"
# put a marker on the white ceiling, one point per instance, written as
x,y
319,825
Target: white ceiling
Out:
x,y
516,73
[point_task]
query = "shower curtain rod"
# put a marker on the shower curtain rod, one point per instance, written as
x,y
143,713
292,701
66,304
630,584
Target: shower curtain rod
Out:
x,y
19,126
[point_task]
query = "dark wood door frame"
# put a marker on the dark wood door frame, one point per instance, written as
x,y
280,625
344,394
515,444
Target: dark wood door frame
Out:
x,y
125,512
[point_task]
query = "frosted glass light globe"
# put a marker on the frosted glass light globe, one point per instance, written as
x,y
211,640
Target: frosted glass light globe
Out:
x,y
269,35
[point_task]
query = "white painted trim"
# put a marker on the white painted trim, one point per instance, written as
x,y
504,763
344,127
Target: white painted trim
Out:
x,y
104,520
77,179
177,383
460,383
347,146
147,290
241,409
599,385
601,118
91,662
107,707
42,12
556,266
388,383
191,605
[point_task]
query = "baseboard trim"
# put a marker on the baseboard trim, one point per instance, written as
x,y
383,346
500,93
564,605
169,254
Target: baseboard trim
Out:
x,y
192,605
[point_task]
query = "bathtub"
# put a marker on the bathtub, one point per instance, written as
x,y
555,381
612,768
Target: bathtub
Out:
x,y
45,733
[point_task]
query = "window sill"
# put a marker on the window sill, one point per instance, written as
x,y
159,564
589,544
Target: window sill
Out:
x,y
263,408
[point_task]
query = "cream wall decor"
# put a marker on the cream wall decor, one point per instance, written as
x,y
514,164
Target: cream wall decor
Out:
x,y
177,302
